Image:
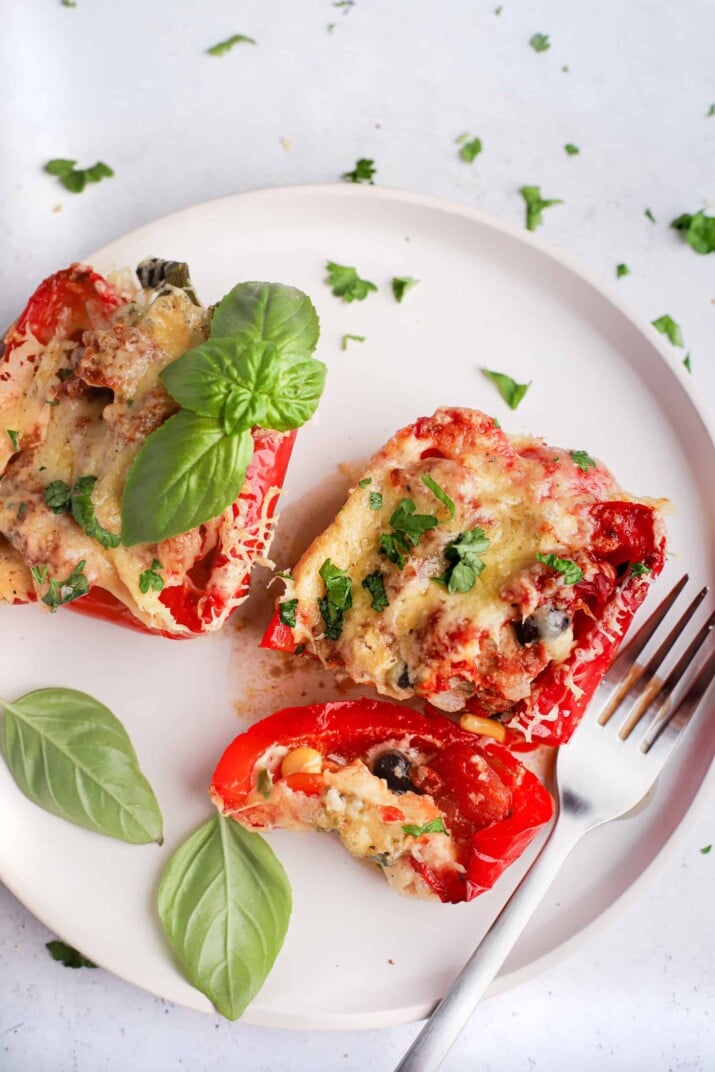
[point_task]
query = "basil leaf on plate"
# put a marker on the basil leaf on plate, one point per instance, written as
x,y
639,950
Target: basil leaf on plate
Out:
x,y
71,756
225,902
202,477
269,312
511,391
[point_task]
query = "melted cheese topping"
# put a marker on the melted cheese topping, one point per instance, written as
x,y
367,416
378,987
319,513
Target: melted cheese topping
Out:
x,y
528,499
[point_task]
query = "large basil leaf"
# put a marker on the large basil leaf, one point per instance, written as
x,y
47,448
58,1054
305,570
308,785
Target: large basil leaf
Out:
x,y
269,312
68,753
296,395
225,903
187,472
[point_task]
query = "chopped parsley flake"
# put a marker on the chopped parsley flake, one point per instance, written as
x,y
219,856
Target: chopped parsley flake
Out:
x,y
710,111
150,580
408,529
365,482
649,215
61,592
39,573
286,611
401,284
583,460
706,848
345,283
225,46
362,172
535,205
435,826
668,327
21,511
639,568
464,560
264,782
376,587
470,150
698,231
511,391
686,362
540,42
375,500
570,572
78,501
350,338
75,179
621,270
572,150
13,437
437,490
337,600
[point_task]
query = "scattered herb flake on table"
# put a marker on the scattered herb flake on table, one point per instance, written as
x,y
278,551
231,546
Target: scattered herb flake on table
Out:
x,y
649,215
540,42
363,171
345,282
621,270
535,204
470,150
511,391
572,150
350,338
706,848
686,362
668,327
401,284
60,951
710,111
225,46
698,231
75,179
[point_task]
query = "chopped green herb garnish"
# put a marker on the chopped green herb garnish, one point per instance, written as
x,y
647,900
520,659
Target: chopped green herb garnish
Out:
x,y
435,826
75,179
570,572
225,46
464,560
58,496
376,587
401,284
52,402
39,573
64,374
69,3
21,511
365,481
470,150
78,501
264,782
60,951
706,848
496,423
583,460
649,215
351,338
408,529
345,283
375,500
13,437
362,172
511,391
338,598
698,231
686,362
437,490
540,42
535,205
572,150
668,327
639,568
286,611
621,270
710,111
285,574
498,10
150,580
61,592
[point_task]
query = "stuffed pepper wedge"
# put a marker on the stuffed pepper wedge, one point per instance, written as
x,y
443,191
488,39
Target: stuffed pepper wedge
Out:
x,y
144,440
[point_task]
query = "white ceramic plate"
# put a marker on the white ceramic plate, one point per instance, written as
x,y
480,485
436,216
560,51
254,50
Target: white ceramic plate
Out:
x,y
357,955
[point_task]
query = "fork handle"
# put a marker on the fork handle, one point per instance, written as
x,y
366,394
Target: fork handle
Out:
x,y
444,1025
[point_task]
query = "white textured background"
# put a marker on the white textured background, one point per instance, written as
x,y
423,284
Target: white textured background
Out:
x,y
130,83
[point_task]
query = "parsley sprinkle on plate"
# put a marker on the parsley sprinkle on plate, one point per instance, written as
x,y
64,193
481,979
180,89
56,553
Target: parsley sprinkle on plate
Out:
x,y
345,283
363,171
572,150
225,46
401,284
350,338
535,204
668,327
540,42
649,215
511,391
75,179
470,149
698,231
621,270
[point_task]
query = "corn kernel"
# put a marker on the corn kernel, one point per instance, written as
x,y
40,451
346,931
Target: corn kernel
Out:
x,y
487,727
302,761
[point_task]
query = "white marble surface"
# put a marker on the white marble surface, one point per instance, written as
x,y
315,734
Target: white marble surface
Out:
x,y
130,84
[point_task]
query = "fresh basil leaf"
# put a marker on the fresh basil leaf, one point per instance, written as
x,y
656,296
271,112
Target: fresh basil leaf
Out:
x,y
337,600
269,312
375,585
535,205
187,472
668,327
401,284
437,490
470,150
698,231
376,500
68,956
225,902
583,460
540,42
363,171
511,391
637,569
225,46
71,756
150,580
350,338
286,611
571,573
572,150
621,270
345,283
435,826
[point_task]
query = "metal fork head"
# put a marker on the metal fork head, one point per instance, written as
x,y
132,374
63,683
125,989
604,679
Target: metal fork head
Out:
x,y
634,721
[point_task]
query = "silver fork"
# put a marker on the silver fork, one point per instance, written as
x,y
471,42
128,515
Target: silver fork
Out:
x,y
601,775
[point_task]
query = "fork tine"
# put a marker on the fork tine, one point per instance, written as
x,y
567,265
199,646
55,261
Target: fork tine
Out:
x,y
625,669
657,687
675,721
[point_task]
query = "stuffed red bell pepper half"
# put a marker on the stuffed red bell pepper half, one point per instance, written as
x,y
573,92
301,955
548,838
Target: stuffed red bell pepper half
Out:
x,y
144,441
441,811
480,571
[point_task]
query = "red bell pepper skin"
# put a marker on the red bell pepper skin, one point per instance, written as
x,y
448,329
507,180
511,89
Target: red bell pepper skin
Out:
x,y
491,813
77,299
